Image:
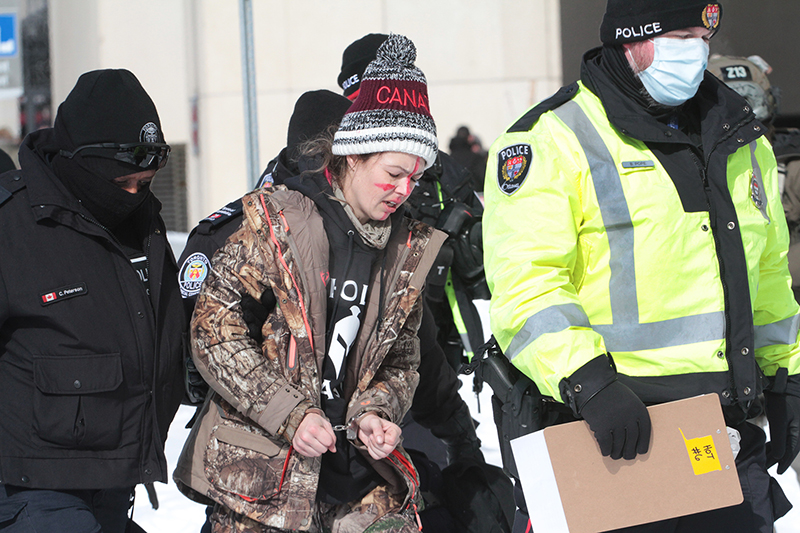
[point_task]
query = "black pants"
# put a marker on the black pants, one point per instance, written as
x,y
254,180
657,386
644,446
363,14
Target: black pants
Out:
x,y
70,511
436,398
757,514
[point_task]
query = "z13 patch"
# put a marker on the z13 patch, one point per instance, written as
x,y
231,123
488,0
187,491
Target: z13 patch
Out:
x,y
513,163
192,274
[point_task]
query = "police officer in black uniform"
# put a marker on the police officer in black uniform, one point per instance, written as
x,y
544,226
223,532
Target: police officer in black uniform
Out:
x,y
91,318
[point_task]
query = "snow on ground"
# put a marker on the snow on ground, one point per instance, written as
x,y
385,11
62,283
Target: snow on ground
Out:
x,y
178,514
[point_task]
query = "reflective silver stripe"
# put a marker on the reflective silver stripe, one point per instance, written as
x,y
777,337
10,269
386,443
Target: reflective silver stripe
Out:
x,y
762,194
782,332
626,333
551,320
466,343
652,335
614,210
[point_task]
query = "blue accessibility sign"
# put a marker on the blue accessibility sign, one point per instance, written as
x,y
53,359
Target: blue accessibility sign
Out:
x,y
8,34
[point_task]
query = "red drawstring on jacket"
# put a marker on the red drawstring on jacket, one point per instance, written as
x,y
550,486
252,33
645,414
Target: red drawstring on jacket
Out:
x,y
280,483
412,473
291,274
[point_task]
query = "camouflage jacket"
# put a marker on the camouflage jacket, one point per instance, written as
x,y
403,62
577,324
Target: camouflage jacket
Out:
x,y
239,453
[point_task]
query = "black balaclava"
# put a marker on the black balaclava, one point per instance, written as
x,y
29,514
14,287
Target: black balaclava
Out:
x,y
107,202
105,106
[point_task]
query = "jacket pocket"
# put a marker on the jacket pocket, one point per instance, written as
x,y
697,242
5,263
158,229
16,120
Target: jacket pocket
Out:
x,y
75,404
240,461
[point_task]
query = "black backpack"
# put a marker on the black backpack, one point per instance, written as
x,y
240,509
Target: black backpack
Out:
x,y
479,496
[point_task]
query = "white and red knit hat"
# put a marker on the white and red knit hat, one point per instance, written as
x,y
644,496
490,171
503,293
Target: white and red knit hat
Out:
x,y
391,113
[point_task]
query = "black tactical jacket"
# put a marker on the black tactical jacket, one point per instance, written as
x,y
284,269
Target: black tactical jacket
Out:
x,y
90,365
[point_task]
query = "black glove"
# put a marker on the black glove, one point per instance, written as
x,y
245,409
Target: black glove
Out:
x,y
620,421
618,418
195,385
783,415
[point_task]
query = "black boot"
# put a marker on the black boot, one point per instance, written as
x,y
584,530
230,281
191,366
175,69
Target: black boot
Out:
x,y
458,433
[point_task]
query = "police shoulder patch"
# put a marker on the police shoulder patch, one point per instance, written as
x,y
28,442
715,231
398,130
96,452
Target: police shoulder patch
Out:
x,y
193,272
513,163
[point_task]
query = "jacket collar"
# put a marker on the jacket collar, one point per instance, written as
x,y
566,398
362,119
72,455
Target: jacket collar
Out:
x,y
316,187
44,188
720,109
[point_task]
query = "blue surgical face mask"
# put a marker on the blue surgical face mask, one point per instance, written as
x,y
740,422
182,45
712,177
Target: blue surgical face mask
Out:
x,y
677,70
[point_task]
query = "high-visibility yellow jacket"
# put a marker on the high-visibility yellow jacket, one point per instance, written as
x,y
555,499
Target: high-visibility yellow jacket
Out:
x,y
592,247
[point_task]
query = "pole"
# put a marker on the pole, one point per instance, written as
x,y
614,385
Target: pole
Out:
x,y
249,91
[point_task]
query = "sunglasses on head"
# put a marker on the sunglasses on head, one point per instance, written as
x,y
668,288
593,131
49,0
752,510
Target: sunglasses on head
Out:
x,y
143,155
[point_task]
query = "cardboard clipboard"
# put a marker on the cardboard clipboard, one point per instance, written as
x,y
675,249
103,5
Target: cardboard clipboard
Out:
x,y
570,487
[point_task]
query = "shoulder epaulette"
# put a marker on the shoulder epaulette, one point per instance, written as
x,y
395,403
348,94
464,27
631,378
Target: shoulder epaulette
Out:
x,y
9,185
220,217
526,122
5,194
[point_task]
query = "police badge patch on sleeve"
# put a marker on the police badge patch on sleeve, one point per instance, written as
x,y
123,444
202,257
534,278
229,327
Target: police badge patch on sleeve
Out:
x,y
192,274
513,163
758,197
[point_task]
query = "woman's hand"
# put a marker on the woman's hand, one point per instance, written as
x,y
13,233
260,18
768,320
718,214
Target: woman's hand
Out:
x,y
380,436
314,436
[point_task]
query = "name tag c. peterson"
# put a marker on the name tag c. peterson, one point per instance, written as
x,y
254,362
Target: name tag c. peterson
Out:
x,y
63,293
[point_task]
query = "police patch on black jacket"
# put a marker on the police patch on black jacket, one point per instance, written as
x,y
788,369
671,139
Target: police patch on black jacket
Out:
x,y
193,272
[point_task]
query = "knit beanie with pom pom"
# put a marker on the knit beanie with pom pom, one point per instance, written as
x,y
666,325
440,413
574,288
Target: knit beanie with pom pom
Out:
x,y
391,113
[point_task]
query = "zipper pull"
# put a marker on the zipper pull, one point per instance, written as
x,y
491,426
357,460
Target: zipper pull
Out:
x,y
416,514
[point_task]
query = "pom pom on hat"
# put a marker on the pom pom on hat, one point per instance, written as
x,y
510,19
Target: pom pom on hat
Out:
x,y
399,50
391,113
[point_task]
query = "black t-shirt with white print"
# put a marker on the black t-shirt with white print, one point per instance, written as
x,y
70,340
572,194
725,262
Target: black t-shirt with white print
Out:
x,y
345,475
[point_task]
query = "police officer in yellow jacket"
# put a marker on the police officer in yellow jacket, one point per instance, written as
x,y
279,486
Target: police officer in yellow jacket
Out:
x,y
636,251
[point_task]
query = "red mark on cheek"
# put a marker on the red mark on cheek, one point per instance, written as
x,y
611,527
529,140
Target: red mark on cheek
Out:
x,y
385,187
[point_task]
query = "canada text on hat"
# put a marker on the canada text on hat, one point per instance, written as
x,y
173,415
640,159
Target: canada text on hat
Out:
x,y
391,113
